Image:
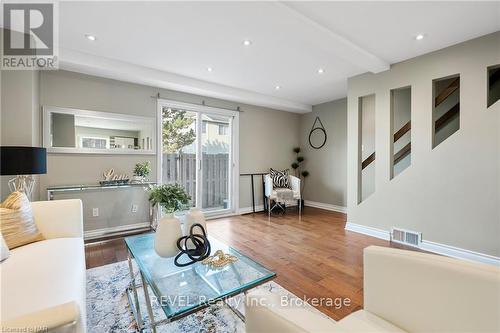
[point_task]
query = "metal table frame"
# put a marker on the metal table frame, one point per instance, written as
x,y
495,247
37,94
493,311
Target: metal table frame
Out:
x,y
133,300
262,174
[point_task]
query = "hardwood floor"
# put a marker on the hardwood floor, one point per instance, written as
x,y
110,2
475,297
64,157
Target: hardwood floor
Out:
x,y
314,257
105,252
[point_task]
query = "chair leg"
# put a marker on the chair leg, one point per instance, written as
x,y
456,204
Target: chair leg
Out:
x,y
300,206
269,206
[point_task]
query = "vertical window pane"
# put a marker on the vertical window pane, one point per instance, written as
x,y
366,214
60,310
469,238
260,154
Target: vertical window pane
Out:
x,y
215,147
179,149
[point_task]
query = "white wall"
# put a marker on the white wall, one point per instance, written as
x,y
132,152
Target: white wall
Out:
x,y
449,193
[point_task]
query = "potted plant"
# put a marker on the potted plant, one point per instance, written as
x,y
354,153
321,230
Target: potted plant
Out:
x,y
301,174
171,198
141,171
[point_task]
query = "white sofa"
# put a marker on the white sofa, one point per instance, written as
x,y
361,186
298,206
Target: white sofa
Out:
x,y
404,291
43,283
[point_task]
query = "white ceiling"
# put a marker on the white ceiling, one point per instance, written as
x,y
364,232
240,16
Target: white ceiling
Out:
x,y
171,44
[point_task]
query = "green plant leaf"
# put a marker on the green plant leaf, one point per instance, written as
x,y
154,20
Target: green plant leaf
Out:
x,y
171,197
142,169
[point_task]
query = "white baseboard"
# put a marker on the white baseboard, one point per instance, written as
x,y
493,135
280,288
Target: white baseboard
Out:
x,y
248,210
374,232
314,204
97,233
259,208
214,217
456,252
333,208
446,250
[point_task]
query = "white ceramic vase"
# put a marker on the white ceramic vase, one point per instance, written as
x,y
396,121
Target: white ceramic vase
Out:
x,y
194,216
168,232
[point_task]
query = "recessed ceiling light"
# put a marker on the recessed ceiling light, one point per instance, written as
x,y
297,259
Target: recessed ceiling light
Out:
x,y
209,69
419,36
321,71
90,37
277,87
247,42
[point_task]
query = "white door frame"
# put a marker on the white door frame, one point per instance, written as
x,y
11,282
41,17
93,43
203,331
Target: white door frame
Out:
x,y
233,157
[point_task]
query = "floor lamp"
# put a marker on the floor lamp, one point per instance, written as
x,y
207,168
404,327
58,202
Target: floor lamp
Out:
x,y
23,162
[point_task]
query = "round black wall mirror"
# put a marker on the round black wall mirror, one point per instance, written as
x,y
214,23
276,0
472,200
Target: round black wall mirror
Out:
x,y
317,135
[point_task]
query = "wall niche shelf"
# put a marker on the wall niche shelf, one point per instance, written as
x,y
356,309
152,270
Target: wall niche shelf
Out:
x,y
493,73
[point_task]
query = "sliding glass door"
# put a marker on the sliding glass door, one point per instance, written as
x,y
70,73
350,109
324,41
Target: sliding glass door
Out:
x,y
216,162
197,152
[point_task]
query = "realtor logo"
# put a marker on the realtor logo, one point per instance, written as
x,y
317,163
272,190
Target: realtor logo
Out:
x,y
29,36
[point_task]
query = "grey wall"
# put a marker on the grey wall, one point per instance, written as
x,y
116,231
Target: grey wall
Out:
x,y
266,141
327,182
450,193
19,114
266,136
115,206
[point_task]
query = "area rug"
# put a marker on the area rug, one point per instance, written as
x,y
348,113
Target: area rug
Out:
x,y
108,309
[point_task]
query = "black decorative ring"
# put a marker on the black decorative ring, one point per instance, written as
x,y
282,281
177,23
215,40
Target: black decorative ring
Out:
x,y
201,248
312,131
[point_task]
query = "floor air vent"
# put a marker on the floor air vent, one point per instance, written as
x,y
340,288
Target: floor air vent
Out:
x,y
406,237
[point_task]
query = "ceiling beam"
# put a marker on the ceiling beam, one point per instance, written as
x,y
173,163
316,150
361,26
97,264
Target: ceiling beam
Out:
x,y
119,70
340,46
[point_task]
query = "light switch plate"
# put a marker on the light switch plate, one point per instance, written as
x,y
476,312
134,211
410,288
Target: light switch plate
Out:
x,y
95,212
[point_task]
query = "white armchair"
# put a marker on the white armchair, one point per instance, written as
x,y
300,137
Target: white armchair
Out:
x,y
272,194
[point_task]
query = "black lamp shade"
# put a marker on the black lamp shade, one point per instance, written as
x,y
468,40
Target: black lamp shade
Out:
x,y
17,160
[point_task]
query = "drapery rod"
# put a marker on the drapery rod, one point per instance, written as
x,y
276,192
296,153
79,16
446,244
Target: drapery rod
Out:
x,y
238,109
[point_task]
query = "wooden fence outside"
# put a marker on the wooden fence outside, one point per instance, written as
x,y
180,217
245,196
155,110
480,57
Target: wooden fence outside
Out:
x,y
181,168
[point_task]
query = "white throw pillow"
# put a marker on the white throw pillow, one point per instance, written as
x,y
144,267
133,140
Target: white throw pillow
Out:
x,y
16,221
4,250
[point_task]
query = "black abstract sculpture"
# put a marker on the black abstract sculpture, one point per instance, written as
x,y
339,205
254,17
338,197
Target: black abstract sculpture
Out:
x,y
198,250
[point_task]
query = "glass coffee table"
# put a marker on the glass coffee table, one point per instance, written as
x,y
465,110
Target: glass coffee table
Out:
x,y
181,291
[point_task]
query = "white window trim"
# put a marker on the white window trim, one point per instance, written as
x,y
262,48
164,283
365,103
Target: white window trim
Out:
x,y
235,144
